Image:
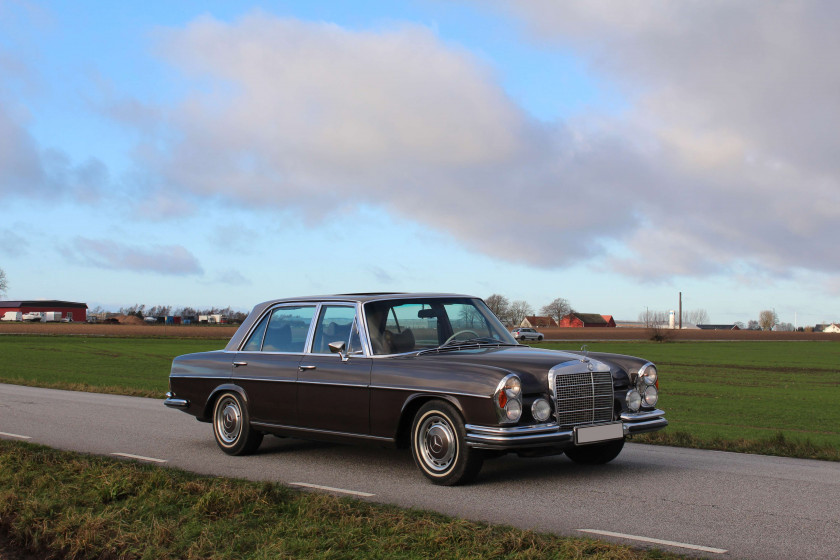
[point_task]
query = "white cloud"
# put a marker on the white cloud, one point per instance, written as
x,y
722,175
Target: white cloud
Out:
x,y
172,260
743,99
725,158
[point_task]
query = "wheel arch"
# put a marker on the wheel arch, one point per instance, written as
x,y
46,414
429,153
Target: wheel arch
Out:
x,y
409,410
207,413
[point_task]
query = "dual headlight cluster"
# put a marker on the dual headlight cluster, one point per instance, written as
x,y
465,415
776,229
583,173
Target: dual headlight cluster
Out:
x,y
645,393
509,402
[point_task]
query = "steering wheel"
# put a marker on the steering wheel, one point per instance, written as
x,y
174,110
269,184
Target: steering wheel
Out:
x,y
459,333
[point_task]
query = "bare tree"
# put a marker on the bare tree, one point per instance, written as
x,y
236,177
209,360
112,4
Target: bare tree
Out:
x,y
752,325
767,319
696,317
518,310
499,305
652,319
4,284
557,309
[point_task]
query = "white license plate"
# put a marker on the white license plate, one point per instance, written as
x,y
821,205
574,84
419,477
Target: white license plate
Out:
x,y
594,434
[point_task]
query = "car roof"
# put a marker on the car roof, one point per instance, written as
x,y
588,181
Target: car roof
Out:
x,y
363,297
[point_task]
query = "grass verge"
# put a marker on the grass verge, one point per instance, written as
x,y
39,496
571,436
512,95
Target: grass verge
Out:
x,y
778,445
67,505
137,367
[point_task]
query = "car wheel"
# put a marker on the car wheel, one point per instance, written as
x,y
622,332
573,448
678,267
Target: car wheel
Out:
x,y
232,427
596,454
539,338
438,445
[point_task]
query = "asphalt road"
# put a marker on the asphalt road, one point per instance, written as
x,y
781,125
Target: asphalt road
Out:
x,y
726,505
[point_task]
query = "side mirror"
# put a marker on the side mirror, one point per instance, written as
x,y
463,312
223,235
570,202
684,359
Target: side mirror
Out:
x,y
338,348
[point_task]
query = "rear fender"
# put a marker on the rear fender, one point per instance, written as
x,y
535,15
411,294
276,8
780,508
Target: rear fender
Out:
x,y
211,400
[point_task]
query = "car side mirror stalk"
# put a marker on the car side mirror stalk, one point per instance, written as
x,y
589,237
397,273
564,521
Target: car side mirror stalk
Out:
x,y
339,348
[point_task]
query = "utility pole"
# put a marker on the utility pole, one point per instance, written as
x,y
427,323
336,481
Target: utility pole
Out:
x,y
681,311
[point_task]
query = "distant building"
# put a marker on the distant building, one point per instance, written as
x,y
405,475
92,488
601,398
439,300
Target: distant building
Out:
x,y
719,327
587,320
536,322
54,309
832,328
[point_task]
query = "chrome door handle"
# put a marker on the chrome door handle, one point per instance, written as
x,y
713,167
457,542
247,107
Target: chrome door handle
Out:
x,y
304,368
237,364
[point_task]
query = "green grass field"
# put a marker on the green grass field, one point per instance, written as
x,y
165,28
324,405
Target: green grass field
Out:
x,y
754,391
127,366
767,397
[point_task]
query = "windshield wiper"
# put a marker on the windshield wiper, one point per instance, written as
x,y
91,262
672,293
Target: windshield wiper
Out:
x,y
457,344
477,340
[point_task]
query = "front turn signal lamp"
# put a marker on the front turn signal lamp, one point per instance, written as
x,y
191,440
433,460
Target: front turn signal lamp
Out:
x,y
508,399
634,400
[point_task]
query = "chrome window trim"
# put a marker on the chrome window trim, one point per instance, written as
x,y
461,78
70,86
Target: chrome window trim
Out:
x,y
362,331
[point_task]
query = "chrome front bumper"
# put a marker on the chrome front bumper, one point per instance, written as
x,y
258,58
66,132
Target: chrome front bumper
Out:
x,y
540,435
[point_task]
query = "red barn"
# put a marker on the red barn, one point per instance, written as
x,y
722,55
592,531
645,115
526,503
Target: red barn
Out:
x,y
587,320
70,310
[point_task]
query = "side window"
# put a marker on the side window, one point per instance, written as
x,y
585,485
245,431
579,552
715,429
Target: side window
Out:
x,y
287,329
355,345
334,325
255,342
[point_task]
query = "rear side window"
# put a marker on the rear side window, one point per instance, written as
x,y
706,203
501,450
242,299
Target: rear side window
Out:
x,y
284,330
255,342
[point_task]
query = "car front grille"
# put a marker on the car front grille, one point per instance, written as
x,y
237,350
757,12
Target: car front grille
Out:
x,y
583,398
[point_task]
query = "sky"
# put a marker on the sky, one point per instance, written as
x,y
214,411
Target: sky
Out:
x,y
613,153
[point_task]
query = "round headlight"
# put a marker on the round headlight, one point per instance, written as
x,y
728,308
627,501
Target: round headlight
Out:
x,y
513,410
651,396
634,400
541,410
648,374
513,387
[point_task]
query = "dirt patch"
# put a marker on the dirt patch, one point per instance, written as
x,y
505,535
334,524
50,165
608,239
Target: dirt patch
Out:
x,y
145,330
619,333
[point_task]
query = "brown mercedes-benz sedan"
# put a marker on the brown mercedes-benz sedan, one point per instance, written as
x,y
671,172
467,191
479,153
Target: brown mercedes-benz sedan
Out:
x,y
437,373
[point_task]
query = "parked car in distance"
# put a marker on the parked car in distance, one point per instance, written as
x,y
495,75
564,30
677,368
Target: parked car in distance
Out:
x,y
526,333
435,373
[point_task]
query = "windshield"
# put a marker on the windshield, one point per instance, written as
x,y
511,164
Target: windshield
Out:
x,y
407,325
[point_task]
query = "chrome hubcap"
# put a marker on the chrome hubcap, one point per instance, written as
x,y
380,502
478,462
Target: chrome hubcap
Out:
x,y
437,443
228,420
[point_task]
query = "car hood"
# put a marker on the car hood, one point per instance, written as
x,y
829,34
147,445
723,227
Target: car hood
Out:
x,y
530,364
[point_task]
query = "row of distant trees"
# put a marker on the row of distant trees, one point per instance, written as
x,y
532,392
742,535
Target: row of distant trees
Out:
x,y
142,311
513,312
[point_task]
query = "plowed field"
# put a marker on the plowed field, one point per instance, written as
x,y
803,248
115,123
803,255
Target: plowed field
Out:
x,y
226,331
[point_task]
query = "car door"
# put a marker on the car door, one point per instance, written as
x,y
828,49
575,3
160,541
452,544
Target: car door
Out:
x,y
266,367
334,390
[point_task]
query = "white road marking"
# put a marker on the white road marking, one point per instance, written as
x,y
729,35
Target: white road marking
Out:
x,y
331,489
655,541
140,457
14,435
